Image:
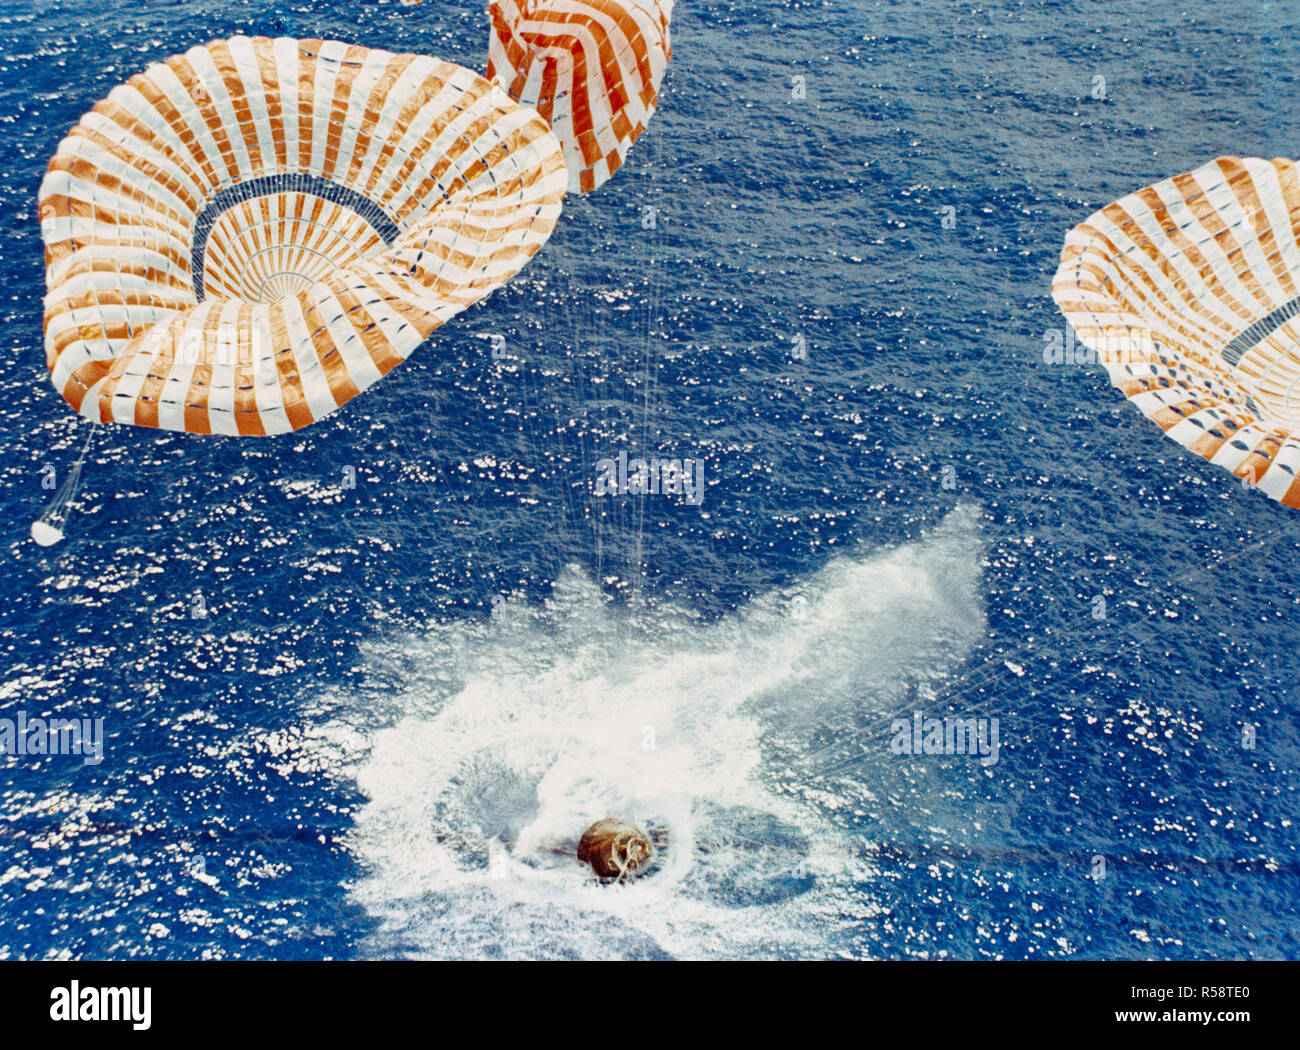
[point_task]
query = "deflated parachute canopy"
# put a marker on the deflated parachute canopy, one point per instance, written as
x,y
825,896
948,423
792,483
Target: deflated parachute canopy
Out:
x,y
592,68
1189,293
46,534
241,239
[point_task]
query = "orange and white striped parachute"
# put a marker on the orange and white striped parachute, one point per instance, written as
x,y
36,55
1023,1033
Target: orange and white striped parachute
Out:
x,y
242,238
592,68
1188,291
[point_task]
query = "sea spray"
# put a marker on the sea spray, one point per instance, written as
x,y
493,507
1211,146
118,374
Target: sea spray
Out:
x,y
510,736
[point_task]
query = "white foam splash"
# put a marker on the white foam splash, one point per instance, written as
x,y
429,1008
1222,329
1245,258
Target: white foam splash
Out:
x,y
506,738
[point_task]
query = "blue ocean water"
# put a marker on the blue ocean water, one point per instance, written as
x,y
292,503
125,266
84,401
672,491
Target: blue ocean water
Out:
x,y
407,697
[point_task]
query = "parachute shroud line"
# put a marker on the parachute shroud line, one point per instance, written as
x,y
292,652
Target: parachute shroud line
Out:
x,y
49,528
